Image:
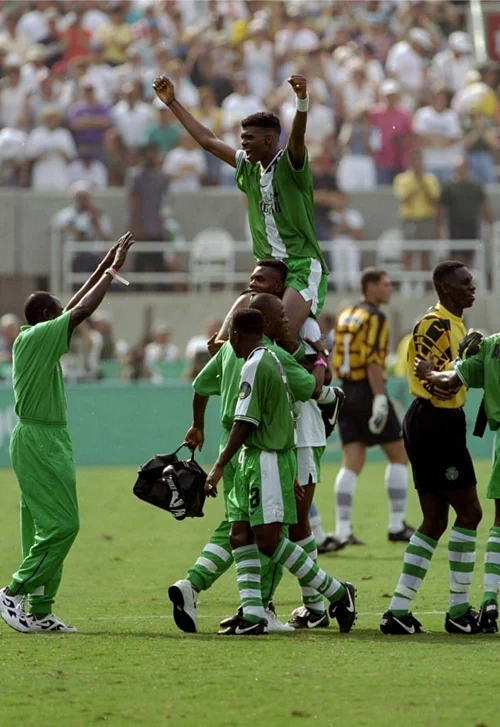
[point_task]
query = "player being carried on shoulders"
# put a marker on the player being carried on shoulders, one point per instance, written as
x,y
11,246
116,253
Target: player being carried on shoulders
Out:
x,y
278,184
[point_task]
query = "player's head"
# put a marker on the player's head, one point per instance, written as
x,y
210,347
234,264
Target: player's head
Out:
x,y
376,286
454,285
260,135
269,277
246,330
273,310
41,306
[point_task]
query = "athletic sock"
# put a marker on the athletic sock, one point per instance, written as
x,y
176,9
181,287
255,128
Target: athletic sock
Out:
x,y
491,580
315,525
396,484
310,596
214,560
461,557
417,560
345,484
247,564
296,560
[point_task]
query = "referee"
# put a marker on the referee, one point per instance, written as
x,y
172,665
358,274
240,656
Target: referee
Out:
x,y
435,439
367,417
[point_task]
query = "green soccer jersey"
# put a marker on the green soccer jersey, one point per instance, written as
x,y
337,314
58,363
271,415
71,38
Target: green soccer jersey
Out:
x,y
280,208
36,371
482,371
221,377
264,399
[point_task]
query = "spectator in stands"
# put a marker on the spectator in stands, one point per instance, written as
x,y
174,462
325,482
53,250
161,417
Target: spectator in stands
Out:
x,y
12,157
73,74
9,331
44,95
185,166
132,116
392,133
88,169
100,73
357,91
75,39
377,34
406,62
52,38
163,132
136,368
131,71
451,66
240,103
88,120
82,361
480,142
210,116
161,60
440,135
463,205
258,59
373,68
13,93
111,348
34,68
33,25
115,35
356,170
161,349
117,158
325,189
50,148
348,229
197,355
188,93
11,39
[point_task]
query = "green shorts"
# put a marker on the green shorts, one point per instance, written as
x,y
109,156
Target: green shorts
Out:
x,y
309,465
263,488
229,469
493,491
305,274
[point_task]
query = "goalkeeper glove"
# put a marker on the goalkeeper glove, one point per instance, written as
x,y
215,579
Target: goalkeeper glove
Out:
x,y
380,412
470,344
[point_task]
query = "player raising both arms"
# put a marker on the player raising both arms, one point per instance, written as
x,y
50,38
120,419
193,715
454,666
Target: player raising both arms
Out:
x,y
278,184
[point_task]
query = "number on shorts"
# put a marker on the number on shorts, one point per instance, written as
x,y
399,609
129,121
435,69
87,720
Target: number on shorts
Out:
x,y
254,498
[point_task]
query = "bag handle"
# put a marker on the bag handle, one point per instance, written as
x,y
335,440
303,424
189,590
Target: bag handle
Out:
x,y
191,459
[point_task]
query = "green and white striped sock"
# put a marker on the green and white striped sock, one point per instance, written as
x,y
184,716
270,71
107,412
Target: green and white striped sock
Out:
x,y
417,560
214,560
492,566
247,564
296,560
310,596
462,558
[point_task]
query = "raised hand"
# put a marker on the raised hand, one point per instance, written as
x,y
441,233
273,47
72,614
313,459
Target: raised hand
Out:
x,y
124,244
110,256
299,85
164,89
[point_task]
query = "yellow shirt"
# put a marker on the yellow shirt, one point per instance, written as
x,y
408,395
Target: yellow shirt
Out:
x,y
418,207
435,338
115,39
361,338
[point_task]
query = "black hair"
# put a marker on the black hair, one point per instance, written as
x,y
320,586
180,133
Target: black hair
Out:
x,y
248,321
263,120
265,301
443,270
371,275
36,303
278,265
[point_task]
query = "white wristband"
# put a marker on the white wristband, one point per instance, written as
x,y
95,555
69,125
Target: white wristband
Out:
x,y
302,104
111,271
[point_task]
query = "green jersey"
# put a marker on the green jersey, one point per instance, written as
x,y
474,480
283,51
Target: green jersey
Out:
x,y
264,399
482,371
280,208
36,371
221,377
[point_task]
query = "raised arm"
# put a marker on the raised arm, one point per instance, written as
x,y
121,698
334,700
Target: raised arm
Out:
x,y
296,142
164,89
94,278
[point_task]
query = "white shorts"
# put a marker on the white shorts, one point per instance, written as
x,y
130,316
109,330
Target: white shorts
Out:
x,y
309,465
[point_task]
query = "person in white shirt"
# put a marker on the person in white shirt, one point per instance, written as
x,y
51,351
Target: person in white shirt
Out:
x,y
258,60
13,95
185,166
50,147
161,350
88,169
440,134
239,104
406,62
33,25
132,116
100,74
10,39
357,91
348,228
450,67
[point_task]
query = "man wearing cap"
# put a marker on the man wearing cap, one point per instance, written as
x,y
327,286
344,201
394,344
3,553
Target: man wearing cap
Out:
x,y
406,61
392,133
451,66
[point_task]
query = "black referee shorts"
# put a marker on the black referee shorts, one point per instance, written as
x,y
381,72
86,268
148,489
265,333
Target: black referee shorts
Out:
x,y
355,415
435,441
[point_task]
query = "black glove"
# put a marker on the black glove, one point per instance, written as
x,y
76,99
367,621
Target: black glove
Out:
x,y
470,344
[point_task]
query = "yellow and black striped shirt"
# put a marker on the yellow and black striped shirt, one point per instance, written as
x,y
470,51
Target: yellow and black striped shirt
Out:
x,y
361,338
435,338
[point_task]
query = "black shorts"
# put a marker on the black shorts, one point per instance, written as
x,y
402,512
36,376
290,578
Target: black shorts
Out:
x,y
435,441
355,415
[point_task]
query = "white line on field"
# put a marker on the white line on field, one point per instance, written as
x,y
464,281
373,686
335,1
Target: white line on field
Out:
x,y
169,618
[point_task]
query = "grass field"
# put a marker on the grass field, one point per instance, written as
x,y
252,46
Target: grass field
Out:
x,y
130,666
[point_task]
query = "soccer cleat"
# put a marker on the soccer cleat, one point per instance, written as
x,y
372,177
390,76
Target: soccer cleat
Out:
x,y
344,610
488,617
306,618
400,625
242,627
330,545
274,625
466,624
48,624
402,536
183,597
12,611
352,540
230,620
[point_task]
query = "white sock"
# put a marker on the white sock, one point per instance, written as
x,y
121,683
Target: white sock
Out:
x,y
345,484
396,484
316,526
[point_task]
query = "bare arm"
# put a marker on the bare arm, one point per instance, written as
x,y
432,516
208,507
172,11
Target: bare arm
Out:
x,y
444,379
206,139
239,434
242,302
195,436
296,141
94,278
375,375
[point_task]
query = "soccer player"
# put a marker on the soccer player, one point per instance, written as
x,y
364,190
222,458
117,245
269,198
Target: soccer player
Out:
x,y
435,438
41,450
262,499
221,377
368,417
278,184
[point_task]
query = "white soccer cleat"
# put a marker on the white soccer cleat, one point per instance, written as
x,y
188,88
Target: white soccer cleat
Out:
x,y
274,625
183,597
12,611
48,624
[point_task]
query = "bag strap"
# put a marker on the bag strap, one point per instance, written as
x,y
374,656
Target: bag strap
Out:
x,y
191,459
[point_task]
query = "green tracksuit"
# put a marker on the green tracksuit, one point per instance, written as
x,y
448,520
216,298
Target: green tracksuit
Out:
x,y
42,457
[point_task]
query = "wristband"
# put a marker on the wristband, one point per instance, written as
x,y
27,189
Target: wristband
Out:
x,y
320,362
302,104
114,274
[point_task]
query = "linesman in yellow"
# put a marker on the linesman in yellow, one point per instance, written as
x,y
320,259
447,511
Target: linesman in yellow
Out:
x,y
435,438
368,418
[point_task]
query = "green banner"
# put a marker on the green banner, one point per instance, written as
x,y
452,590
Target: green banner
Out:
x,y
125,424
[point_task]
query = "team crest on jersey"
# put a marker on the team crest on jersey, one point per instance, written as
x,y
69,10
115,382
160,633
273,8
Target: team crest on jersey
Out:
x,y
269,203
245,390
451,474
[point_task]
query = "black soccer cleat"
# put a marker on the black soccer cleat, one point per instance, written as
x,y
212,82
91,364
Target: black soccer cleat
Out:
x,y
488,617
242,627
330,544
400,625
230,620
466,624
306,618
353,540
402,536
345,609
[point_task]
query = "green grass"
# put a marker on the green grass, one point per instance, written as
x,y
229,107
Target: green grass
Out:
x,y
130,666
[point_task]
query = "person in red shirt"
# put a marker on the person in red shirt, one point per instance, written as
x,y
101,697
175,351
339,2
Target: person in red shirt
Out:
x,y
76,40
391,135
